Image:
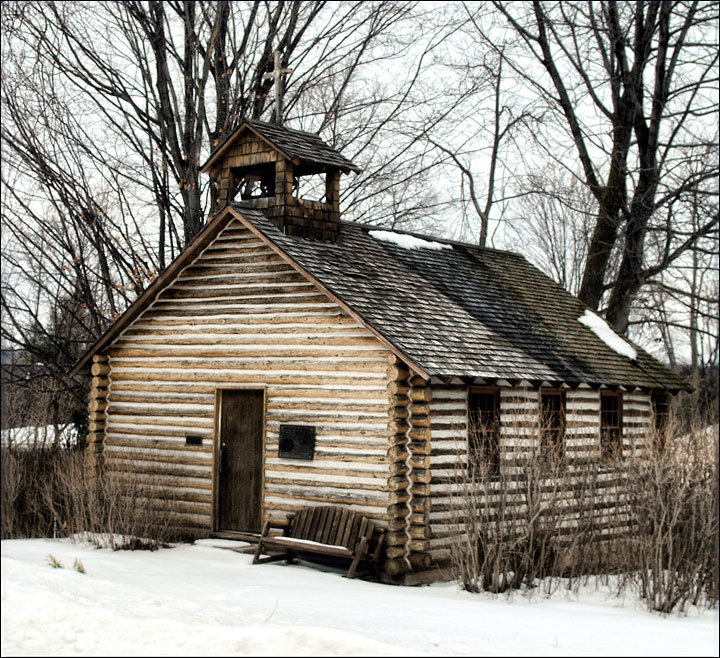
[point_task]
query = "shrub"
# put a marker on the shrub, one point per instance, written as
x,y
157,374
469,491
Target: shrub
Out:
x,y
651,520
52,492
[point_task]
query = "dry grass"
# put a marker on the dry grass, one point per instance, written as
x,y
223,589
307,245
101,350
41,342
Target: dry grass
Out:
x,y
52,492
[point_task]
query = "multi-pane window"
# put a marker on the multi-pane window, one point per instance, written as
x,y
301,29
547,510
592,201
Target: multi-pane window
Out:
x,y
660,402
611,424
552,423
484,429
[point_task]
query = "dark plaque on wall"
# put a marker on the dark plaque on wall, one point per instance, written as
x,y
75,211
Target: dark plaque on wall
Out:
x,y
297,441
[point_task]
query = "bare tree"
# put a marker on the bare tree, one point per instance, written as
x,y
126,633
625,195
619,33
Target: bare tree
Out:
x,y
109,109
631,85
552,219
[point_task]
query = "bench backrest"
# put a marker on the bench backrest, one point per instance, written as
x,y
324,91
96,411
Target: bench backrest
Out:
x,y
335,526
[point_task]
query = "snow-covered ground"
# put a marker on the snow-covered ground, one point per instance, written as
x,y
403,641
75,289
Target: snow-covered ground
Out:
x,y
204,600
42,436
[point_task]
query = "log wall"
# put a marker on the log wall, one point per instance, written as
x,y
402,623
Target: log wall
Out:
x,y
240,316
519,409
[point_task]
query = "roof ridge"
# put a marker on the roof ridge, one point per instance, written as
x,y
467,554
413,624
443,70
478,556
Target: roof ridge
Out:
x,y
275,125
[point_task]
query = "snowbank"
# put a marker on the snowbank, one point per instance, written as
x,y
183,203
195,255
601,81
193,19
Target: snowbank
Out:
x,y
205,600
603,331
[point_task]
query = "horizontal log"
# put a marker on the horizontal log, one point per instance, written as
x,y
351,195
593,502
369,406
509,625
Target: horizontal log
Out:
x,y
339,498
399,469
398,389
160,469
400,413
97,405
298,378
272,480
420,561
100,382
420,421
419,532
420,447
420,505
94,437
420,394
420,476
398,511
398,373
100,358
98,394
181,353
398,497
397,454
398,439
420,409
190,459
281,509
419,434
99,369
397,524
416,381
162,363
420,462
397,483
310,469
398,426
396,567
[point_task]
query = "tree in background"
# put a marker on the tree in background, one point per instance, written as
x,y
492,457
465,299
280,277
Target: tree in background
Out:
x,y
632,87
110,108
589,129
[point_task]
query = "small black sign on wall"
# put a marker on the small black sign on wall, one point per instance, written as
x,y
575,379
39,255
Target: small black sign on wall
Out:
x,y
297,442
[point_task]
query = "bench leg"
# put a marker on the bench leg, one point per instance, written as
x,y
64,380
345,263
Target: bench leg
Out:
x,y
270,558
359,551
258,552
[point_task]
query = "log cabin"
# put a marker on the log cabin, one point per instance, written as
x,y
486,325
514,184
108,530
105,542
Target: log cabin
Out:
x,y
287,358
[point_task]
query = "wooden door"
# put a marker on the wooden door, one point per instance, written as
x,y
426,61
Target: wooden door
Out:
x,y
240,461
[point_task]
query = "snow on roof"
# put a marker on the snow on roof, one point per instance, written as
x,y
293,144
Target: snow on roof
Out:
x,y
603,331
407,241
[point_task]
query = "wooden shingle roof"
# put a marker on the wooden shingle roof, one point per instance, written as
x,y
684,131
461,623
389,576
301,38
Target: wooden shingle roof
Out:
x,y
294,144
465,311
452,310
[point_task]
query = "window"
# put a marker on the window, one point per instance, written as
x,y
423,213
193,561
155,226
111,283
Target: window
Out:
x,y
660,402
484,429
552,423
611,424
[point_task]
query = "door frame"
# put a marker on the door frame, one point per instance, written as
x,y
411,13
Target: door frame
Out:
x,y
216,449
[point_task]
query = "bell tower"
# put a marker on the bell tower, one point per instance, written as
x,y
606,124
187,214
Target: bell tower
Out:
x,y
270,167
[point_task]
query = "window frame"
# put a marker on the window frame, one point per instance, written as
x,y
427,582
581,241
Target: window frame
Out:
x,y
486,456
611,436
552,446
660,402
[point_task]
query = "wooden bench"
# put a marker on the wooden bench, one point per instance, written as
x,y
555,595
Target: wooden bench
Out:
x,y
325,530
